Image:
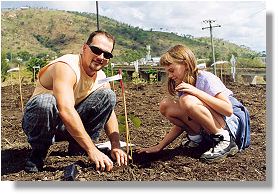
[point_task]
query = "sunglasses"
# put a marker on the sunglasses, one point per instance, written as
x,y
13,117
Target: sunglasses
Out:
x,y
98,51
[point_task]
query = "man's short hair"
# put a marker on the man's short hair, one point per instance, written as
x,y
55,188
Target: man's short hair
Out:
x,y
109,36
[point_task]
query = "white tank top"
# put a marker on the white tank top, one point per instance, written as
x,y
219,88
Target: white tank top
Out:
x,y
84,85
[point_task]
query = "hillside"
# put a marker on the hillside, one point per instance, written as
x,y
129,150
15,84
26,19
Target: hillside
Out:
x,y
59,32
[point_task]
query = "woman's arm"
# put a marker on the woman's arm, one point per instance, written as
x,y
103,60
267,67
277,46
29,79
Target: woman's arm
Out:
x,y
169,137
220,103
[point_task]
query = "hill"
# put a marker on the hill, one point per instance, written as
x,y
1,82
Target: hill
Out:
x,y
53,32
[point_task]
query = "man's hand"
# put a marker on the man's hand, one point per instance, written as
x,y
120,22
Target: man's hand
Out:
x,y
102,161
120,156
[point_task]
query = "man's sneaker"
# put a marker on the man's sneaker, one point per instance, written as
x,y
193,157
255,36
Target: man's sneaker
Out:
x,y
36,161
220,150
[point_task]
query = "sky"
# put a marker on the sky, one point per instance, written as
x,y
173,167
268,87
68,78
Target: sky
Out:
x,y
242,22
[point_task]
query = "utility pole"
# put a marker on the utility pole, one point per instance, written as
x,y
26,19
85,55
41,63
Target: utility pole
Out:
x,y
211,40
97,15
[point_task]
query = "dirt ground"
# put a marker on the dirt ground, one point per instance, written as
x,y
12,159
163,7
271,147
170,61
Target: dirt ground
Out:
x,y
174,163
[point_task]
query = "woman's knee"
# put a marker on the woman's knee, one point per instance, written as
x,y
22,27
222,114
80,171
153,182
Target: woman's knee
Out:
x,y
164,106
189,102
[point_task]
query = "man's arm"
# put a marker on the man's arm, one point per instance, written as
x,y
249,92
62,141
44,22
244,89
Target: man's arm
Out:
x,y
63,81
112,131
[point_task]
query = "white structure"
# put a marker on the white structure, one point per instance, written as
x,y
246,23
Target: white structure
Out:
x,y
202,66
13,69
148,56
233,67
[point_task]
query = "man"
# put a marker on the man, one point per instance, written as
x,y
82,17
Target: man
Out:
x,y
68,101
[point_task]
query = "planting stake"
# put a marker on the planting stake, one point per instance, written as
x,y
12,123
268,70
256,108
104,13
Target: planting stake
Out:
x,y
20,91
128,144
113,85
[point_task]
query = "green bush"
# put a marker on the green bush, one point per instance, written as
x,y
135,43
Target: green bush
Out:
x,y
4,66
250,63
24,55
35,62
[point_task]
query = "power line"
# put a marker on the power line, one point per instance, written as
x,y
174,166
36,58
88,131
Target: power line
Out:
x,y
211,39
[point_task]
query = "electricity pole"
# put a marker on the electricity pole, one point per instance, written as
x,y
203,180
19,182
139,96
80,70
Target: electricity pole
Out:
x,y
97,15
211,40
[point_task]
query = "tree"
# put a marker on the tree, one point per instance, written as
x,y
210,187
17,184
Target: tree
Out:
x,y
24,55
9,56
4,66
35,62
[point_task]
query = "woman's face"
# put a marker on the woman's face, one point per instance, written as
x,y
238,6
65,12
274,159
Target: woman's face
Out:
x,y
176,72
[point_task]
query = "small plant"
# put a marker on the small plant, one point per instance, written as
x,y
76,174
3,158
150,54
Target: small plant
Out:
x,y
137,81
152,75
134,119
153,78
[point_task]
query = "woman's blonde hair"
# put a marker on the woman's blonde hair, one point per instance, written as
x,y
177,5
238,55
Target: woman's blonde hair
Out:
x,y
184,56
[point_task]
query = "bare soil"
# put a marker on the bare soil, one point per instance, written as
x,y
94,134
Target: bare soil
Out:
x,y
172,164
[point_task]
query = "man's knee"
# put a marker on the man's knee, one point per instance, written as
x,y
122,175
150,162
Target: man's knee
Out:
x,y
41,106
107,95
111,96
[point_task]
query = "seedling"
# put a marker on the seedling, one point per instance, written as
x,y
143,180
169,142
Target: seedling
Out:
x,y
134,119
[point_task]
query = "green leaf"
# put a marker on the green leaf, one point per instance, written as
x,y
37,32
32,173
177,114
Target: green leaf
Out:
x,y
121,128
121,119
136,121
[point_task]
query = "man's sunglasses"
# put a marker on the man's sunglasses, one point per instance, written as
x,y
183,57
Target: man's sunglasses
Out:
x,y
98,51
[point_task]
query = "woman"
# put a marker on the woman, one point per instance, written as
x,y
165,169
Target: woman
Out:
x,y
202,110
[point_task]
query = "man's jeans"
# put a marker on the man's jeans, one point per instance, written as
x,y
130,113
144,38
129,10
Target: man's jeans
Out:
x,y
41,121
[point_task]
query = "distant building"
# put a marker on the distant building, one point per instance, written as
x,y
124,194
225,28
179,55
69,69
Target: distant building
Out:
x,y
147,62
153,61
24,7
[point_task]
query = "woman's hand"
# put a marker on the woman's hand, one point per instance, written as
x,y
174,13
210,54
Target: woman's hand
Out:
x,y
187,88
152,149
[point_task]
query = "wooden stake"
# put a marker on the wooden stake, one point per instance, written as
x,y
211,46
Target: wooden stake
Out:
x,y
128,144
12,84
20,91
112,72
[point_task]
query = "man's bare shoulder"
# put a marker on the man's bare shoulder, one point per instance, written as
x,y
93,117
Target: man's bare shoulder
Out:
x,y
62,68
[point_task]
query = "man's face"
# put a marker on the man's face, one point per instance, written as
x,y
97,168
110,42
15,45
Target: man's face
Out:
x,y
97,54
